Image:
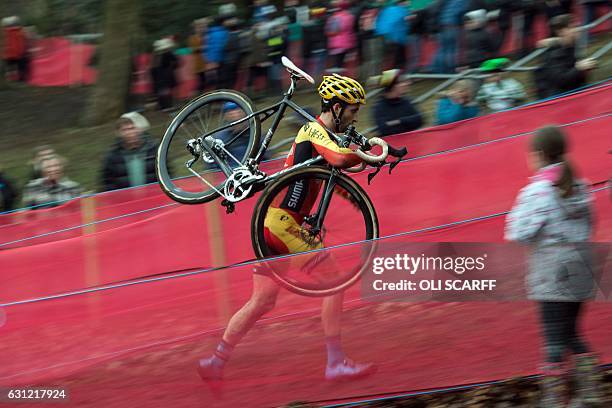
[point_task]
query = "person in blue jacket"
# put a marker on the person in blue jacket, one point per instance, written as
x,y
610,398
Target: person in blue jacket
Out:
x,y
457,104
214,49
449,17
392,25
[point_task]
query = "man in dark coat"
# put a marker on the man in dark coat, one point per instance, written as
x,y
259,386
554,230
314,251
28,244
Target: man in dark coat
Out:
x,y
7,193
394,113
131,161
560,71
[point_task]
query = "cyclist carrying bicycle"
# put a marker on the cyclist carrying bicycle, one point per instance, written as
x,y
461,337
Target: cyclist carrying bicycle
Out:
x,y
340,103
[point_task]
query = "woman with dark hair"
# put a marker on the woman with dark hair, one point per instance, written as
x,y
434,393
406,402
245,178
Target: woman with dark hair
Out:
x,y
553,216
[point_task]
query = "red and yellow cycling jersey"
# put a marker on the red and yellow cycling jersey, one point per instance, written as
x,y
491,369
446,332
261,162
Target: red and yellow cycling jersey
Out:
x,y
283,222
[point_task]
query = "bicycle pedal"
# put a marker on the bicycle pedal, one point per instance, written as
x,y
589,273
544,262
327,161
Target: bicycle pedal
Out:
x,y
229,206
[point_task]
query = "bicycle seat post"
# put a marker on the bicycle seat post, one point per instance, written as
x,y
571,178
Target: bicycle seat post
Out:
x,y
291,89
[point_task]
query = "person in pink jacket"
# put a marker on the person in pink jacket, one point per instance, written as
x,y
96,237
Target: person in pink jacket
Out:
x,y
340,30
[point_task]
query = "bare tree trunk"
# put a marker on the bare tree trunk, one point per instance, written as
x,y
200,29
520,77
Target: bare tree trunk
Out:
x,y
107,100
3,13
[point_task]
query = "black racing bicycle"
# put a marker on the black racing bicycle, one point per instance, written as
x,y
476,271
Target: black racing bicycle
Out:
x,y
211,146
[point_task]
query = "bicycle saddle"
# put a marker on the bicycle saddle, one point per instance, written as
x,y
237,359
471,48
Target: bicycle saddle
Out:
x,y
295,70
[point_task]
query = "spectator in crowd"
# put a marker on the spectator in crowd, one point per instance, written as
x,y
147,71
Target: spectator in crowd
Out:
x,y
163,72
315,43
15,46
131,161
479,43
457,104
277,47
340,30
589,10
392,25
371,43
553,216
52,188
233,52
196,44
297,15
257,60
394,113
505,9
238,147
7,193
263,10
499,92
418,31
216,41
528,11
449,15
559,71
32,48
554,8
41,153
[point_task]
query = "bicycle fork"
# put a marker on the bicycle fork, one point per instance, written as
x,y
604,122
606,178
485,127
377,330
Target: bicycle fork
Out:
x,y
316,220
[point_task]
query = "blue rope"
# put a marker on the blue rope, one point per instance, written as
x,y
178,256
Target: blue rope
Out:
x,y
257,261
596,85
87,224
402,161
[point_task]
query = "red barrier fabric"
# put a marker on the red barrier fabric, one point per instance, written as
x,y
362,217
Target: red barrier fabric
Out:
x,y
108,348
164,236
59,62
569,109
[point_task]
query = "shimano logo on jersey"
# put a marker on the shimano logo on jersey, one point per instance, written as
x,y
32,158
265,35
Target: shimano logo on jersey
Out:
x,y
298,187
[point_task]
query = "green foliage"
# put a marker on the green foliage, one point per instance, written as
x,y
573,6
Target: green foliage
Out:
x,y
64,17
158,18
173,17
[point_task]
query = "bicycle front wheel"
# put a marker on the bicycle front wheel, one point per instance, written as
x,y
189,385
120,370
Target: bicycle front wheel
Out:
x,y
348,217
210,115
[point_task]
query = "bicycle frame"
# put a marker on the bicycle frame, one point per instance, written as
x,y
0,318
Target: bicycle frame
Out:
x,y
279,109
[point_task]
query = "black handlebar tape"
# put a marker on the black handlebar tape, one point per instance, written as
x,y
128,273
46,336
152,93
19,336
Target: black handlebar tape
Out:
x,y
397,152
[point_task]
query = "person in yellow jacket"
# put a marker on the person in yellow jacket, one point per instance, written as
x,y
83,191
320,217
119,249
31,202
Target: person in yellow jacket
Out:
x,y
196,42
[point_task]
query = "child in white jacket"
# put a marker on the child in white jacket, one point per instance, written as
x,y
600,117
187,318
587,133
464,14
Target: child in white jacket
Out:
x,y
552,214
498,92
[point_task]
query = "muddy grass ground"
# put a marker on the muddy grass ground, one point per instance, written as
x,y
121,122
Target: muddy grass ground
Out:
x,y
415,346
512,393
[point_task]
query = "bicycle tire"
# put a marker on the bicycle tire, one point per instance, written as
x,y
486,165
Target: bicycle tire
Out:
x,y
359,196
161,162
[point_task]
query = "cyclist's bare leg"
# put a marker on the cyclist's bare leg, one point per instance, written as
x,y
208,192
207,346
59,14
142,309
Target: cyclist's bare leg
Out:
x,y
338,366
263,299
331,316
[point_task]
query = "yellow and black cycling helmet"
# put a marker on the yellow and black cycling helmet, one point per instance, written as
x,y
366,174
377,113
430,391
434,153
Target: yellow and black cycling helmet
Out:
x,y
343,88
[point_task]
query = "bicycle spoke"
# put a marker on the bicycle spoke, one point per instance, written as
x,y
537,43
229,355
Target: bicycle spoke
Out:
x,y
192,181
204,127
232,140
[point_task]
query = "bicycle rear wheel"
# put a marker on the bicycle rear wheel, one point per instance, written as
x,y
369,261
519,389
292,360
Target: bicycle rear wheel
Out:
x,y
350,217
200,117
